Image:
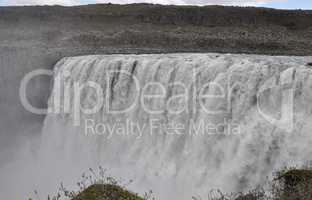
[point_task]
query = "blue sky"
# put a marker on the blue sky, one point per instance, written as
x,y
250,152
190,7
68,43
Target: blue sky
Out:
x,y
291,4
283,4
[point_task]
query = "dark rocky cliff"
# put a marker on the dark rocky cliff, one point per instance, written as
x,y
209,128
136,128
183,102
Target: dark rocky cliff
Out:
x,y
144,28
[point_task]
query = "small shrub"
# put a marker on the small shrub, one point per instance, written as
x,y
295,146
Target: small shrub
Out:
x,y
293,184
106,192
253,195
96,185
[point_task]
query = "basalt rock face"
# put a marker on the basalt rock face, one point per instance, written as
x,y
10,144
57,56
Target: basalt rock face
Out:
x,y
155,28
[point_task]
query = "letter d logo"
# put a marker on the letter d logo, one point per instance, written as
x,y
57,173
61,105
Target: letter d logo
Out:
x,y
286,87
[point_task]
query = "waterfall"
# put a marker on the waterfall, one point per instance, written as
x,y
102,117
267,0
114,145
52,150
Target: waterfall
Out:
x,y
179,124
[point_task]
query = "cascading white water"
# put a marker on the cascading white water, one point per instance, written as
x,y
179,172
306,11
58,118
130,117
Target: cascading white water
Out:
x,y
212,124
189,162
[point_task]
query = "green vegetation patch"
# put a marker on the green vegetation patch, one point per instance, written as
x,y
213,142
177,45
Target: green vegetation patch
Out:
x,y
293,184
106,192
294,177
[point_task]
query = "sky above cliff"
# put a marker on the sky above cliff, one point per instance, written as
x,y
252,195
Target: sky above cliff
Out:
x,y
284,4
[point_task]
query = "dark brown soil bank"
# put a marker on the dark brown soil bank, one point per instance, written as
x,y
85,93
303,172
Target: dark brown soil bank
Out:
x,y
144,28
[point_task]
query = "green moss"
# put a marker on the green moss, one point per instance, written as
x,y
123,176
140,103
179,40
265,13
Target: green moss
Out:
x,y
295,176
293,184
106,192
